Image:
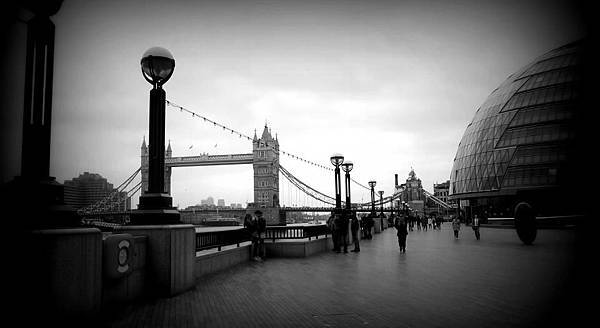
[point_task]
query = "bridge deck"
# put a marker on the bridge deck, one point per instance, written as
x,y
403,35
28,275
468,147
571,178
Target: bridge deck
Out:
x,y
439,282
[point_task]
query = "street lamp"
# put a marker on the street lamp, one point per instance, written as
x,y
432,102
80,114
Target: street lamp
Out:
x,y
372,185
347,167
337,160
380,192
157,66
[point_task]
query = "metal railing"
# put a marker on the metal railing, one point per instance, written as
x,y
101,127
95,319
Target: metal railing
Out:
x,y
219,239
299,232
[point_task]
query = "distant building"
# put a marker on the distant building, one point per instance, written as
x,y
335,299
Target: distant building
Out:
x,y
221,203
412,192
208,201
91,188
441,190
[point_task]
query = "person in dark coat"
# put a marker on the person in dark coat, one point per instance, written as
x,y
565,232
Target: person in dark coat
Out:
x,y
354,227
402,232
251,224
344,222
261,229
370,223
334,233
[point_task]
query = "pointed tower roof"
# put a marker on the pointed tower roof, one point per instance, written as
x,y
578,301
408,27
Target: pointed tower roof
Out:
x,y
144,143
266,135
169,150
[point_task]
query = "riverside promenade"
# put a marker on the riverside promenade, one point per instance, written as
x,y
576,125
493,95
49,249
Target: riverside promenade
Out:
x,y
440,282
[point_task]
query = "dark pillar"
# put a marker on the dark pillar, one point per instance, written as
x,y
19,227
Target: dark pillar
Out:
x,y
35,186
338,188
348,204
156,151
373,200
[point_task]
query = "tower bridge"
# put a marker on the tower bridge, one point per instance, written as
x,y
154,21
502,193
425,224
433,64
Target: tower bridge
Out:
x,y
264,159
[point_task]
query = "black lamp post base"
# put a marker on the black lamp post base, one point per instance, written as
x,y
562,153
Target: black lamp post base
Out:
x,y
155,208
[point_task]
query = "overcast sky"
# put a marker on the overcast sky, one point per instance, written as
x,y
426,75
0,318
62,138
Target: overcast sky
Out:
x,y
389,84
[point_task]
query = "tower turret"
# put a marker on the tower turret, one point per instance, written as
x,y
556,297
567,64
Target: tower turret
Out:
x,y
169,151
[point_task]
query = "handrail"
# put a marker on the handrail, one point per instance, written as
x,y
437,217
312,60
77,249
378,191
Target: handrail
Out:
x,y
218,239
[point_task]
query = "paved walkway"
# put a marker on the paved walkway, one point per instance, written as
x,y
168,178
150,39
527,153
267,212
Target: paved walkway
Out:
x,y
439,282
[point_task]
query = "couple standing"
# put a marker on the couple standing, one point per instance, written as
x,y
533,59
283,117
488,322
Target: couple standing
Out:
x,y
256,226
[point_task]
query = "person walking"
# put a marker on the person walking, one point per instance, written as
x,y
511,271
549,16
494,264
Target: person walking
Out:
x,y
354,227
402,232
456,226
262,230
475,226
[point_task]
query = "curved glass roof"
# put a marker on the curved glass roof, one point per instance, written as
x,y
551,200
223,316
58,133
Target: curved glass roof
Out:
x,y
520,135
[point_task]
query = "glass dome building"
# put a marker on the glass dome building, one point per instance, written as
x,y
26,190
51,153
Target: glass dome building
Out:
x,y
521,144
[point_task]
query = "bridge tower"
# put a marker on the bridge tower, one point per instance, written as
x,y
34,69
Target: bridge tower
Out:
x,y
266,170
265,163
144,165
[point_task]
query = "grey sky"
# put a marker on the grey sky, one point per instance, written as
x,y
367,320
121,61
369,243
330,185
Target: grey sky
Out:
x,y
389,84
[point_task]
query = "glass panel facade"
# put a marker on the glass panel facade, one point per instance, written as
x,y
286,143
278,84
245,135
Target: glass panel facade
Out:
x,y
516,137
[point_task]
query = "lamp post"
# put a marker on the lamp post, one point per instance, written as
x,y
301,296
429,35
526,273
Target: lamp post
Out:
x,y
155,205
372,185
347,167
380,192
337,160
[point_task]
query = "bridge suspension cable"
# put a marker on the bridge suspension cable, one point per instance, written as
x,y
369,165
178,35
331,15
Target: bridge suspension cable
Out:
x,y
242,135
113,201
437,200
305,188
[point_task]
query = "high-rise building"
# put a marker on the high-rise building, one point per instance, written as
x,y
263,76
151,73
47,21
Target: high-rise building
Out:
x,y
91,188
221,203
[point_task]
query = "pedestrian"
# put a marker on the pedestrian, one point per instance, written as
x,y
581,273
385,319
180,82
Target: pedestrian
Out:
x,y
354,227
252,227
370,225
456,226
341,228
402,232
430,223
248,226
475,226
262,230
334,234
424,223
